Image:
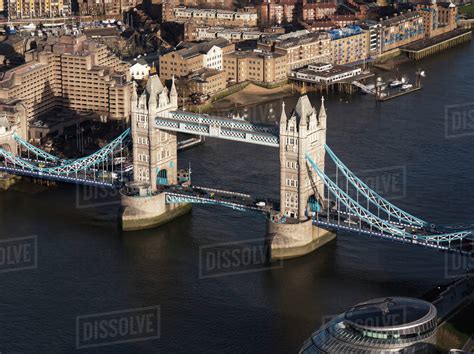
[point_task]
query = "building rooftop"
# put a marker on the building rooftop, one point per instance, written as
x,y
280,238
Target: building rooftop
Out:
x,y
203,74
396,324
389,313
102,32
255,54
325,70
304,38
193,49
345,32
400,18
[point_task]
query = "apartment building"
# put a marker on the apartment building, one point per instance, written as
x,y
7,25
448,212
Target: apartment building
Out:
x,y
300,48
400,30
71,73
257,66
271,13
375,36
207,81
105,7
215,17
193,57
38,8
438,18
232,35
316,11
349,45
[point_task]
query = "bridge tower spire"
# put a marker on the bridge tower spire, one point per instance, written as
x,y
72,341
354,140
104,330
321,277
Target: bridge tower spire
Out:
x,y
292,232
154,151
305,133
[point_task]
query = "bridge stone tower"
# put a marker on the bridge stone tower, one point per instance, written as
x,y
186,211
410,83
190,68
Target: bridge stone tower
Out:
x,y
154,151
303,133
7,140
154,160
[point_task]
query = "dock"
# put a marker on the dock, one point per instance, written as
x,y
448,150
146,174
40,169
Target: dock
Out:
x,y
429,46
345,85
398,94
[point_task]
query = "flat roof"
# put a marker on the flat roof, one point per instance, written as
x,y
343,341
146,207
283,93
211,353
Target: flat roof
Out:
x,y
428,42
335,70
390,312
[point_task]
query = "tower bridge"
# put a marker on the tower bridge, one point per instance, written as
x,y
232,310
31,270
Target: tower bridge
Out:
x,y
312,205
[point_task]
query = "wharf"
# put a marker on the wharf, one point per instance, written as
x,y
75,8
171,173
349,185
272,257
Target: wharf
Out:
x,y
344,85
429,46
398,94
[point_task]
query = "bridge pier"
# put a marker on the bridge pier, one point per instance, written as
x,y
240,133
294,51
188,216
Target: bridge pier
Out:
x,y
290,240
7,180
148,211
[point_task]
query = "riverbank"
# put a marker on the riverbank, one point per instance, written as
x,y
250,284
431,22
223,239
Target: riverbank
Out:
x,y
252,95
457,331
392,63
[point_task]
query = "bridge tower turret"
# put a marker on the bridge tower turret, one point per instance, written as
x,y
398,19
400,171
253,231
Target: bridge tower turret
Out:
x,y
154,151
303,133
173,94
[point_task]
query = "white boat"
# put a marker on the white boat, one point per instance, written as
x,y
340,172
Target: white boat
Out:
x,y
407,86
395,83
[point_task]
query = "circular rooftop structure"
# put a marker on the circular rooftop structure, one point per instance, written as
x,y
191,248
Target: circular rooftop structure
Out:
x,y
390,313
394,324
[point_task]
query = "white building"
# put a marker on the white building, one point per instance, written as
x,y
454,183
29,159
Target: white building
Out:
x,y
325,73
140,70
213,58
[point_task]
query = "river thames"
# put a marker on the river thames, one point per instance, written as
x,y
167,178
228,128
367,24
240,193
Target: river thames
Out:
x,y
410,149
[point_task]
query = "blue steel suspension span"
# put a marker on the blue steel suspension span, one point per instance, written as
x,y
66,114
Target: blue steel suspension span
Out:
x,y
380,202
85,170
365,215
90,170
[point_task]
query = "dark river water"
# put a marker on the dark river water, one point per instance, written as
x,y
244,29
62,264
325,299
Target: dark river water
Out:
x,y
87,266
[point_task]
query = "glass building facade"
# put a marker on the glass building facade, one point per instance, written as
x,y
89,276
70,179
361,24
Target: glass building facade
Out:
x,y
395,325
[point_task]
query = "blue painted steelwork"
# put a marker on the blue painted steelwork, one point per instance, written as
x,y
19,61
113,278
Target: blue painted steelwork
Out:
x,y
373,197
335,225
219,127
91,170
373,220
36,150
177,198
73,166
59,178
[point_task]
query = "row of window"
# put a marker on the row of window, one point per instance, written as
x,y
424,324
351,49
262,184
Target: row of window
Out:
x,y
290,182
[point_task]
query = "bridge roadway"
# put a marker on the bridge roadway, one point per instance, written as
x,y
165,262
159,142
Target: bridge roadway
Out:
x,y
86,179
351,223
220,127
336,220
204,195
